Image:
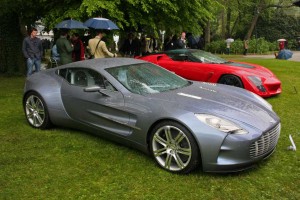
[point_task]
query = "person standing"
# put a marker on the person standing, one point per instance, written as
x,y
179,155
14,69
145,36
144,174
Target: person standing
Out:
x,y
182,41
78,52
144,45
228,44
54,53
98,47
246,46
174,43
281,45
129,46
64,48
191,41
33,51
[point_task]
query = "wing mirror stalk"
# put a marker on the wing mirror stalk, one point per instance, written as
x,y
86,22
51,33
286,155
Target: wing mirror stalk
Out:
x,y
96,89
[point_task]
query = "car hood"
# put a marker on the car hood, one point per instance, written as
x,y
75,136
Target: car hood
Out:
x,y
221,100
251,68
243,65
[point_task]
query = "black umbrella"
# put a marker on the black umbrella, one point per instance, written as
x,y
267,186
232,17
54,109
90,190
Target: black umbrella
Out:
x,y
70,24
101,23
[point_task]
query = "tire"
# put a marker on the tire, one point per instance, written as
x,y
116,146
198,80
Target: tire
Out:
x,y
174,148
231,80
36,111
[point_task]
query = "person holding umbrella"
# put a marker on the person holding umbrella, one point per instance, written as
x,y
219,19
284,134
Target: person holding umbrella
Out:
x,y
64,47
98,47
228,44
78,52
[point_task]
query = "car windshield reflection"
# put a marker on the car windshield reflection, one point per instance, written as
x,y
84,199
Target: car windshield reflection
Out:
x,y
206,57
147,78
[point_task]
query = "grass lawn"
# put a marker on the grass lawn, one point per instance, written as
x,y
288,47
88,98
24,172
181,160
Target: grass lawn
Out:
x,y
68,164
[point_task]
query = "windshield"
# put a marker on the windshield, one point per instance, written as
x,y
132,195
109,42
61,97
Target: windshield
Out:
x,y
206,57
147,78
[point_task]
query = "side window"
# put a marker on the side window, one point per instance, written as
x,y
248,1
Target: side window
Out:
x,y
179,57
84,77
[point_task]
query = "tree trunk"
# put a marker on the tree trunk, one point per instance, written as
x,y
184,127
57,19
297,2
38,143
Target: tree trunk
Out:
x,y
223,28
259,8
253,24
228,21
207,33
11,57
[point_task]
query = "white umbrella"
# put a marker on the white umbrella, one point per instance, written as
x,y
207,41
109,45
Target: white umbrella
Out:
x,y
281,40
229,40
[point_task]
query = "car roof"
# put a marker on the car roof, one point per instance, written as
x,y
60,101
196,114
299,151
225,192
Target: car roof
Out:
x,y
178,51
101,63
181,51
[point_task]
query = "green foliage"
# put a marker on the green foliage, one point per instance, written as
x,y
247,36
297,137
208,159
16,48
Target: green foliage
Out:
x,y
237,47
276,19
68,164
11,59
138,15
279,25
256,46
149,16
216,47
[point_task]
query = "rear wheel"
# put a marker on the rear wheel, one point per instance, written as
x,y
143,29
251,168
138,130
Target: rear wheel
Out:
x,y
174,148
231,80
36,111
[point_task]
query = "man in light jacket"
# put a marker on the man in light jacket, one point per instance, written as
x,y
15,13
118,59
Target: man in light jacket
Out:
x,y
101,51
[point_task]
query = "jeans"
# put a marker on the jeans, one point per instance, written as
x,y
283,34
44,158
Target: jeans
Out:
x,y
33,61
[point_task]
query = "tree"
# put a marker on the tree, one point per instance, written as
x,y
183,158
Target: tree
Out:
x,y
239,18
139,15
14,16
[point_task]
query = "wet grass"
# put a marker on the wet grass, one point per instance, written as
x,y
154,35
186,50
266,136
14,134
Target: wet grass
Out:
x,y
67,164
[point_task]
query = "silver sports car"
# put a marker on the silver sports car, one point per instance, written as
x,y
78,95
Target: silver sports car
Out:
x,y
182,124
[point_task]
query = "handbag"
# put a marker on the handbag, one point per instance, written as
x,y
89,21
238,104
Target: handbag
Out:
x,y
92,56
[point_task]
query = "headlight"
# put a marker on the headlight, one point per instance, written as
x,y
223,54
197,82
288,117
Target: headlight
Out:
x,y
257,82
221,124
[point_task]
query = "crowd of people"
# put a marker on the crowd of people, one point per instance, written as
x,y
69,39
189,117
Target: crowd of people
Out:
x,y
135,45
71,48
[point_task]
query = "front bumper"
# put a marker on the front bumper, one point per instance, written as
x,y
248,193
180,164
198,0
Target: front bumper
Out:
x,y
237,154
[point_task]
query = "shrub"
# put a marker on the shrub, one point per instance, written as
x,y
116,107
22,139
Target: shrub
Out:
x,y
258,46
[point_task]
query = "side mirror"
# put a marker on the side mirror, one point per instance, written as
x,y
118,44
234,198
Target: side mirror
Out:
x,y
92,89
97,89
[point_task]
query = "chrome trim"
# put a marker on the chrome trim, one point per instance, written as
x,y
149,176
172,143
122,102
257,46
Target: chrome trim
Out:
x,y
266,143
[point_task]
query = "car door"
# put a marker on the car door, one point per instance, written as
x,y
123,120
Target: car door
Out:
x,y
185,68
101,110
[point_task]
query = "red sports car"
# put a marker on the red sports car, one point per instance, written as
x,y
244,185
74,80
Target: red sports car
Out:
x,y
194,64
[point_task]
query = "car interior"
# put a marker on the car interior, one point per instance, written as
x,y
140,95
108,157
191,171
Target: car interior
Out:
x,y
85,77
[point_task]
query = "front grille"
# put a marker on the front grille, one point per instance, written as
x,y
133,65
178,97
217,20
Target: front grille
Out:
x,y
265,143
273,87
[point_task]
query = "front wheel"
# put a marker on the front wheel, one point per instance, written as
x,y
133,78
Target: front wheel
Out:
x,y
231,80
36,111
174,148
